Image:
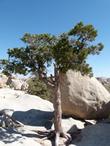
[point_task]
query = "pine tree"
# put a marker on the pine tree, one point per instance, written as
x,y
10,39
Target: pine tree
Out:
x,y
67,51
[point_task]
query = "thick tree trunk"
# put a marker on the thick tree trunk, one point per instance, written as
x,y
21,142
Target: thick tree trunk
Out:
x,y
57,109
54,86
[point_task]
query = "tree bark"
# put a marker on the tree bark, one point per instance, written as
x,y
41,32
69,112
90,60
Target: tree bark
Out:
x,y
56,93
57,108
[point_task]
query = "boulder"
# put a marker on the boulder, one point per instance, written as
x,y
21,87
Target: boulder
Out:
x,y
83,97
3,80
94,135
71,125
27,109
22,101
17,83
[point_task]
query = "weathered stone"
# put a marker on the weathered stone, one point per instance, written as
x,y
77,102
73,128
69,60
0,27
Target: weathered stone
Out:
x,y
84,97
17,83
71,125
105,82
94,135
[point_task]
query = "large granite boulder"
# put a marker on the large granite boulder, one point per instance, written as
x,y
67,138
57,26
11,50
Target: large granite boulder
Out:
x,y
27,109
84,97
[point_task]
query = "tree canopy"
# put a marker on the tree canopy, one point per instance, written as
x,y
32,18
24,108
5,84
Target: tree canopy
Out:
x,y
68,51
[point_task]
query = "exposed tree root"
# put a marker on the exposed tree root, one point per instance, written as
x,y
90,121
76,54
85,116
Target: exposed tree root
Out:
x,y
7,121
52,135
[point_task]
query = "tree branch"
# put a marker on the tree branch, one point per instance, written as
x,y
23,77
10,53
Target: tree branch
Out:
x,y
48,81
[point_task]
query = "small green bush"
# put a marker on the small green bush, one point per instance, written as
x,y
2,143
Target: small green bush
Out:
x,y
38,87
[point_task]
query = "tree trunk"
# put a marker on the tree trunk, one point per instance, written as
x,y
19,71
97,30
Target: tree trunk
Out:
x,y
57,109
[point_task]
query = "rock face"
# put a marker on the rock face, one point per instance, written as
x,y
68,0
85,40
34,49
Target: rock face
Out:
x,y
17,83
36,116
32,111
20,101
94,135
27,109
105,82
84,97
13,82
71,125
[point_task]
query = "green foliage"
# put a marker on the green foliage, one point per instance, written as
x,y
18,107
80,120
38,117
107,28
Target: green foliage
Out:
x,y
33,57
73,48
84,32
68,51
39,88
